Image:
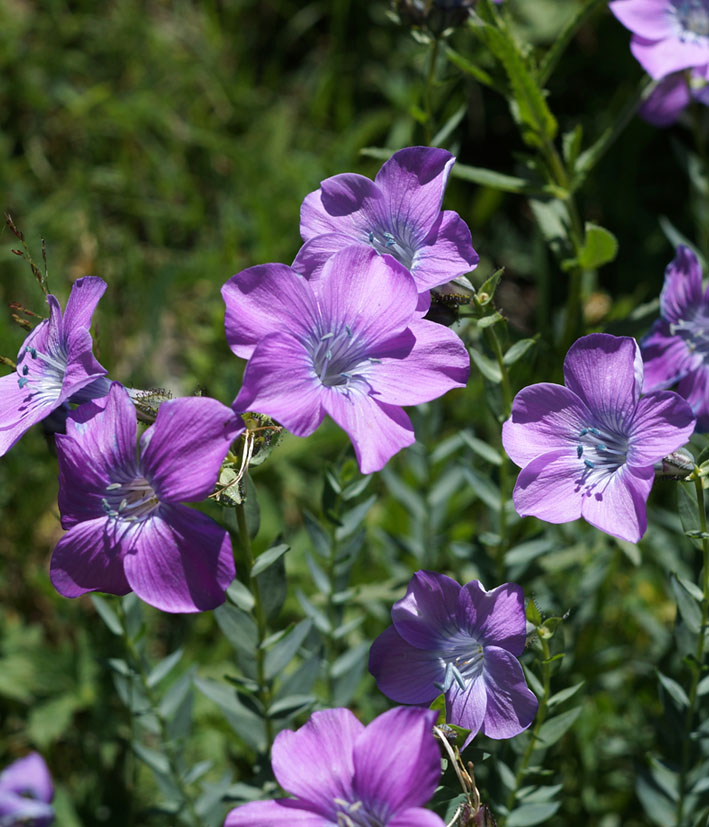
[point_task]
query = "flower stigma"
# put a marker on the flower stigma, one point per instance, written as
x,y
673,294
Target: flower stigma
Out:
x,y
385,242
692,17
352,814
130,501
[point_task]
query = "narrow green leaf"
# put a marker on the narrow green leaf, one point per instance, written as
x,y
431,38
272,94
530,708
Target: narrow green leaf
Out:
x,y
532,110
291,704
571,146
238,627
489,321
518,350
163,668
349,659
473,69
489,369
240,596
318,536
564,694
286,649
658,807
496,180
553,729
674,690
533,614
109,617
488,287
687,604
267,558
154,759
319,577
449,126
318,617
483,487
529,814
482,448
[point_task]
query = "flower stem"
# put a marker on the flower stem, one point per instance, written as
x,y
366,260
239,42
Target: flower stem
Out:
x,y
333,620
496,348
264,691
166,742
541,715
428,88
699,654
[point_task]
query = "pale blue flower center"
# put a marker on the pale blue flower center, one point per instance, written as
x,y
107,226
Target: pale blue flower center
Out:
x,y
601,448
462,659
384,241
131,501
43,373
692,19
695,334
353,814
338,356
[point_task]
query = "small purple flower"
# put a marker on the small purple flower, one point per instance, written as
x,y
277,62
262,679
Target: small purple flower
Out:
x,y
677,347
588,449
54,364
344,773
126,528
674,94
668,35
350,344
463,641
398,214
26,793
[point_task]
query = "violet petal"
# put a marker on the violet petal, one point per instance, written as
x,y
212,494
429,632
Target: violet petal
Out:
x,y
397,761
181,561
316,762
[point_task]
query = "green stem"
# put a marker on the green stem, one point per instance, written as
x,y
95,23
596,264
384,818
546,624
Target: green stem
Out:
x,y
264,691
333,620
166,742
562,41
699,655
494,344
428,88
496,348
541,715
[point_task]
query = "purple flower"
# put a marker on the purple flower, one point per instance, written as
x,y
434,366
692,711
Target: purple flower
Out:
x,y
54,364
588,449
344,773
668,35
398,214
127,530
673,94
463,641
677,347
350,344
26,793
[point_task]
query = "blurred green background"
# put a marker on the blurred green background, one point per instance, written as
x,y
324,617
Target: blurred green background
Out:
x,y
167,145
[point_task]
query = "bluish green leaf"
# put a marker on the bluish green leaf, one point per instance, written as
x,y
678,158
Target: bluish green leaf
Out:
x,y
163,668
109,617
687,604
553,729
268,558
674,690
286,649
518,349
489,369
529,814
